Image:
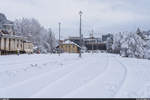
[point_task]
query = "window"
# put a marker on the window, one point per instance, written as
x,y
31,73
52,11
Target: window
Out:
x,y
17,43
4,43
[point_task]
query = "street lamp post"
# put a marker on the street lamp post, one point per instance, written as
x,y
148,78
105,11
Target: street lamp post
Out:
x,y
59,37
80,13
92,41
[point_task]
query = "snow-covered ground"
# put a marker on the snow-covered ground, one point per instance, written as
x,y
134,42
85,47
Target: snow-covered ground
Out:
x,y
93,75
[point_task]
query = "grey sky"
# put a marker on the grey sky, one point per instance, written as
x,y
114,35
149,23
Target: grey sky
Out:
x,y
101,15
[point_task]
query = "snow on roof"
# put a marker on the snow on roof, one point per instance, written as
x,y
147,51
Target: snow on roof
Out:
x,y
11,36
26,41
147,37
70,42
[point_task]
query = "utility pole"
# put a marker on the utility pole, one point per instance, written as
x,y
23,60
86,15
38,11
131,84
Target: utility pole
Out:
x,y
80,13
59,37
92,41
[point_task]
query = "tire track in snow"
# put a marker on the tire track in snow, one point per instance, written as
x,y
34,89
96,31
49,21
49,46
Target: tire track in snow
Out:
x,y
28,68
60,87
18,62
12,75
124,77
103,86
136,79
9,91
27,63
31,69
106,67
21,70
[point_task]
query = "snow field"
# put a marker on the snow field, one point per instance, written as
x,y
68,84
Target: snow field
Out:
x,y
93,75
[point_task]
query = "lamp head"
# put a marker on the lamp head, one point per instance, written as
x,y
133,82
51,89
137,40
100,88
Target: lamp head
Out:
x,y
80,13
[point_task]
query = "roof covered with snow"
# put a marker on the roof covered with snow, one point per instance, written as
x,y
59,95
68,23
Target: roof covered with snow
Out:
x,y
70,42
11,36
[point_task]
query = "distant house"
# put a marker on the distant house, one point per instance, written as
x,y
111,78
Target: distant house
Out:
x,y
75,40
109,44
93,43
105,37
10,43
69,47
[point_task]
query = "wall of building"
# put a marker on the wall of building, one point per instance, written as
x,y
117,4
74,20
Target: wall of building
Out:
x,y
28,47
70,48
1,43
92,43
6,42
10,45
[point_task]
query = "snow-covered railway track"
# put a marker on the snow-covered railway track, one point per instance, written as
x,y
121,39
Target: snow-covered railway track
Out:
x,y
100,74
75,80
105,85
124,77
28,72
42,79
93,75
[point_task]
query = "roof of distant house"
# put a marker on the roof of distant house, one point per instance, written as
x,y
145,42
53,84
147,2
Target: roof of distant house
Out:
x,y
70,42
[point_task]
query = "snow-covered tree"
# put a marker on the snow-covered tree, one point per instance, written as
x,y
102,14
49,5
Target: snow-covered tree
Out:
x,y
42,38
117,42
140,33
50,42
129,44
133,46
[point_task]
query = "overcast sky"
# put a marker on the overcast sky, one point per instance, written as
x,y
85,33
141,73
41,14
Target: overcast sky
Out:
x,y
102,16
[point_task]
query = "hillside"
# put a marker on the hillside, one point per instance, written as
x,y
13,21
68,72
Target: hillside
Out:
x,y
3,20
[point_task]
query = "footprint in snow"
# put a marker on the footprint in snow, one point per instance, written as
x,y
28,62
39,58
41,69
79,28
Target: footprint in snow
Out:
x,y
10,73
34,65
145,92
132,94
45,64
25,69
61,64
112,88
